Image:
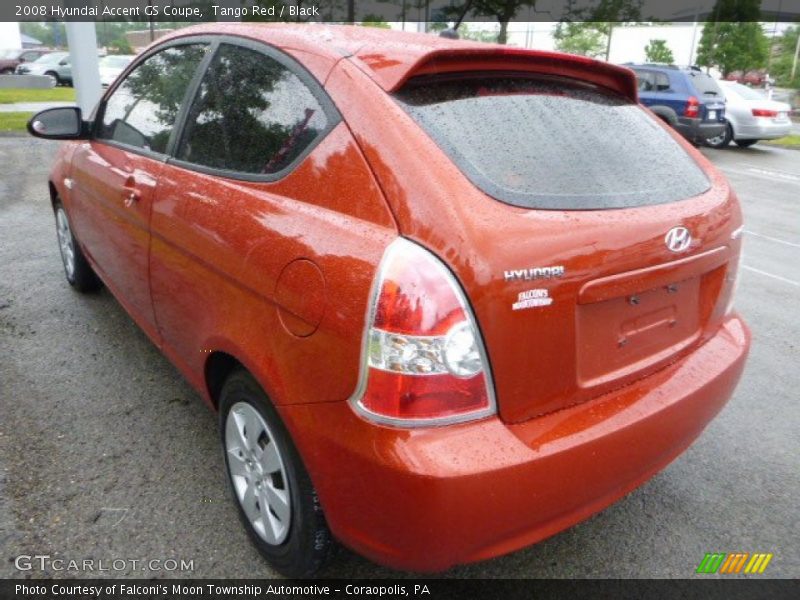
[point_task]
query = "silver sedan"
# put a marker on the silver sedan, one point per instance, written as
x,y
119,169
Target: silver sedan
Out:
x,y
751,117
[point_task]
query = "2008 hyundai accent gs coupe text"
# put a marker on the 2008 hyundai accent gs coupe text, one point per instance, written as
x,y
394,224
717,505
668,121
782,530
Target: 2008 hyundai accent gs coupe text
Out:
x,y
448,298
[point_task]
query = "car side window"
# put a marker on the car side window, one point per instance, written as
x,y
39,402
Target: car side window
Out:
x,y
662,82
142,110
646,81
252,114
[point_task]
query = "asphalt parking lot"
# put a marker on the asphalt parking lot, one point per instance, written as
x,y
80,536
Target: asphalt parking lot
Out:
x,y
106,453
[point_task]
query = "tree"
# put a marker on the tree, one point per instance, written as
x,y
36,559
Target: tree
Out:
x,y
657,51
465,32
580,38
120,46
375,21
783,60
52,35
588,29
502,10
110,34
732,38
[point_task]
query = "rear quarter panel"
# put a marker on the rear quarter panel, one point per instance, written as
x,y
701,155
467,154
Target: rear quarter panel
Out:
x,y
221,246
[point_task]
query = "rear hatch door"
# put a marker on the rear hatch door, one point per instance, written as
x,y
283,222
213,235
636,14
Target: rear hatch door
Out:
x,y
711,96
594,249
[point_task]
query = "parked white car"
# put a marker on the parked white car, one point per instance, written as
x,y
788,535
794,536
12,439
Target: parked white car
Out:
x,y
54,65
751,117
111,66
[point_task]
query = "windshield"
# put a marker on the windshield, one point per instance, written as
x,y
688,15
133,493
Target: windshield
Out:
x,y
553,143
9,53
115,62
52,58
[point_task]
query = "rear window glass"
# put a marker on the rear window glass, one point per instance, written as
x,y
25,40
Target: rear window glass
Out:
x,y
745,92
705,84
553,143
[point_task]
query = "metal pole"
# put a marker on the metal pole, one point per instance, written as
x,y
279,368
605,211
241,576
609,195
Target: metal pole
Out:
x,y
82,41
694,33
608,43
796,53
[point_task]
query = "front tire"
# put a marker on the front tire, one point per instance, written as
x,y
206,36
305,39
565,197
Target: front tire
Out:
x,y
77,269
54,78
723,139
276,501
745,143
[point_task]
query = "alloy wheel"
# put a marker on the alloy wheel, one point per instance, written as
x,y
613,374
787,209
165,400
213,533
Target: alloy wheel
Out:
x,y
258,473
65,242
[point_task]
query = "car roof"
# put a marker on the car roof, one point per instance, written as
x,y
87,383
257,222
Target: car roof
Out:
x,y
665,67
392,57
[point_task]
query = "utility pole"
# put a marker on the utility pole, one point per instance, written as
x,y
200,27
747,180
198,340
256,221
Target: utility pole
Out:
x,y
608,42
794,62
152,29
694,33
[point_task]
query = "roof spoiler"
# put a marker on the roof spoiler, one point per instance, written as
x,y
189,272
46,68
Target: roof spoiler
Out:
x,y
491,58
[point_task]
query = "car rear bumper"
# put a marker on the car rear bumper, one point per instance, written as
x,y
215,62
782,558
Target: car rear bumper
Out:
x,y
425,500
766,130
698,131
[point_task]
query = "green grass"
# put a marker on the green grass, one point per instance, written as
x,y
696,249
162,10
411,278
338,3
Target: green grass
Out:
x,y
14,121
790,141
56,94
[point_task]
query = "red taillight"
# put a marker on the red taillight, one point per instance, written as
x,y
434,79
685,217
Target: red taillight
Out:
x,y
763,112
692,108
423,357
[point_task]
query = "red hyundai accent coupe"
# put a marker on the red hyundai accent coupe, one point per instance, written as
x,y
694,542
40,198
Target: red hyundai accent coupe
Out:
x,y
447,298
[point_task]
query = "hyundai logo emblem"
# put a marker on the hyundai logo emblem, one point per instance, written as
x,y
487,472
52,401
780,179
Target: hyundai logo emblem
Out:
x,y
678,239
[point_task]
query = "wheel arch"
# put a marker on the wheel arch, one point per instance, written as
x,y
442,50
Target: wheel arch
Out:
x,y
731,123
219,366
53,193
665,113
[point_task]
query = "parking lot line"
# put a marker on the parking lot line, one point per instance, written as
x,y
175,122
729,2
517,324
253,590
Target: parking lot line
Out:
x,y
772,239
757,167
764,173
778,277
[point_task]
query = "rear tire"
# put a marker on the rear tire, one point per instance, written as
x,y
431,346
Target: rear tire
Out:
x,y
274,497
77,269
54,77
722,140
745,143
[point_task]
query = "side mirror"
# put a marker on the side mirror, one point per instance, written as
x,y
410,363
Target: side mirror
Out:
x,y
21,59
63,62
62,123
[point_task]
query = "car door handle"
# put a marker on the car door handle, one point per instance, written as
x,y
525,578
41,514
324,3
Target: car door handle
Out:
x,y
130,194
